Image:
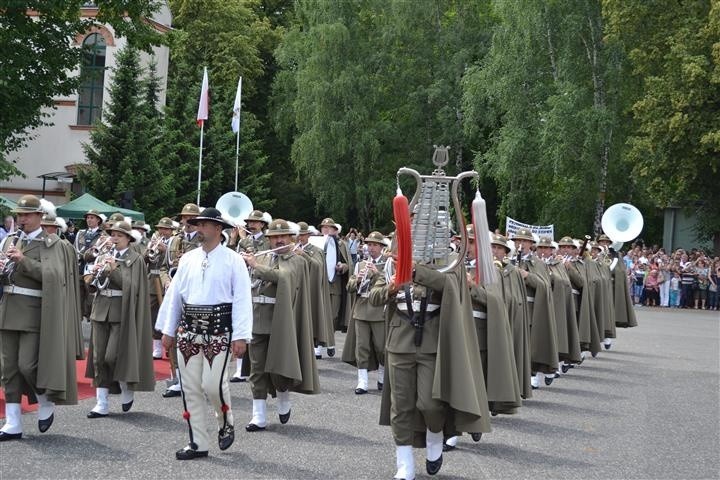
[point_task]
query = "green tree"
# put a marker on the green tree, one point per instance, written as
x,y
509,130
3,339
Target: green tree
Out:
x,y
225,37
367,87
39,47
674,53
123,151
544,96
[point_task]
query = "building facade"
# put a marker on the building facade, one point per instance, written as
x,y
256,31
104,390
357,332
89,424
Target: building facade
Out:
x,y
49,161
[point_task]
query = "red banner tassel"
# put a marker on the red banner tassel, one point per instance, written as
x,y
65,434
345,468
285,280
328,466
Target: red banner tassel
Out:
x,y
401,212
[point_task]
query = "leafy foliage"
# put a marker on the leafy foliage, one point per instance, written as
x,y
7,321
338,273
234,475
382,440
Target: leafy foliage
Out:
x,y
38,59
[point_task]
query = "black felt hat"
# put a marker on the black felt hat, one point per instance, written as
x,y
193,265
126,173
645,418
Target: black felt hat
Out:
x,y
213,215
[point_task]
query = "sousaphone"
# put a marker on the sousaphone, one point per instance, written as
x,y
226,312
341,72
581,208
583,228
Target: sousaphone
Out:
x,y
622,222
235,207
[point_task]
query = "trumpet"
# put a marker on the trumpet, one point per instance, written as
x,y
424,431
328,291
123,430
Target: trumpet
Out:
x,y
101,275
153,249
7,269
102,247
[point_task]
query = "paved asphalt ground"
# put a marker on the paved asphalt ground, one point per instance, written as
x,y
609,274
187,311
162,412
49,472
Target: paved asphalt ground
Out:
x,y
648,408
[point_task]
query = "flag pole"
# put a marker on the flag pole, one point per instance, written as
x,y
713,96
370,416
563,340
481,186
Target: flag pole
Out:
x,y
201,117
202,129
237,106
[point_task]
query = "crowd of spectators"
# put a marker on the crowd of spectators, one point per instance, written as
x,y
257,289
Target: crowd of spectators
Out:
x,y
682,279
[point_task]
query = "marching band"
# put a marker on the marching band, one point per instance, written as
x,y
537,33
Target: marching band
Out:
x,y
452,346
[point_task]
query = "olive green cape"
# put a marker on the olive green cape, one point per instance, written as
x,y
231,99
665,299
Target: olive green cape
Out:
x,y
459,381
134,363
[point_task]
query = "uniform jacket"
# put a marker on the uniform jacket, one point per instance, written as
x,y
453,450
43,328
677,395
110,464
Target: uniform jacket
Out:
x,y
362,309
134,364
495,338
290,348
459,381
51,265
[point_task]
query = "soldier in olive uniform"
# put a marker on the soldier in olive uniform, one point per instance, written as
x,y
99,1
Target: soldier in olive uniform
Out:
x,y
39,312
121,349
365,341
85,240
323,332
418,357
281,351
255,241
543,331
155,259
185,240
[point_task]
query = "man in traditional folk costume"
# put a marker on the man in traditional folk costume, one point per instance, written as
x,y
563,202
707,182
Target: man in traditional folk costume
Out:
x,y
209,306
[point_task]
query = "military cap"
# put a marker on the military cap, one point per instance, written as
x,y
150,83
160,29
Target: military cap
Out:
x,y
523,234
122,227
279,227
500,240
566,242
375,237
28,204
256,216
165,222
190,209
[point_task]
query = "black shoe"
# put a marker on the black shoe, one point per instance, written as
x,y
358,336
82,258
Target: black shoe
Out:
x,y
476,436
565,367
127,406
190,454
171,393
448,448
284,417
534,387
494,413
157,358
226,437
251,427
318,357
360,391
380,386
96,415
607,346
44,425
5,437
582,359
237,379
549,380
331,351
433,467
594,355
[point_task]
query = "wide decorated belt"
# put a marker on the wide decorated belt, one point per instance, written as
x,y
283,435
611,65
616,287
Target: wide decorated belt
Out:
x,y
207,319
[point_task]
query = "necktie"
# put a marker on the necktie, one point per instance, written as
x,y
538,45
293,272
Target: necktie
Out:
x,y
117,254
188,237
